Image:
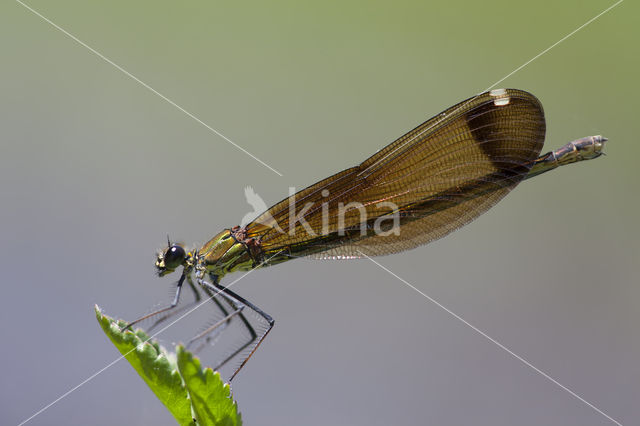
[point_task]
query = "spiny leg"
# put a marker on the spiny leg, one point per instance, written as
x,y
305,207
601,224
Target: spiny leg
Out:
x,y
239,302
219,326
174,312
173,304
197,299
237,306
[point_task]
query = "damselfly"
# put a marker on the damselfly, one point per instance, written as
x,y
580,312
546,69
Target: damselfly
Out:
x,y
429,182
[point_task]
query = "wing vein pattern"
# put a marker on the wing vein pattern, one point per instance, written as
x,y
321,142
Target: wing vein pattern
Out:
x,y
440,176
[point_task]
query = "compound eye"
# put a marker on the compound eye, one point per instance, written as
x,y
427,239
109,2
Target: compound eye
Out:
x,y
174,257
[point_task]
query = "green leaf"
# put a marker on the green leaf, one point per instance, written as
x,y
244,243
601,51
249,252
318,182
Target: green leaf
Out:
x,y
156,367
210,398
181,385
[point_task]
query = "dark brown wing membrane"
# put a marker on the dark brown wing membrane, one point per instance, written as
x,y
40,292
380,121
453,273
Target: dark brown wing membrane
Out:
x,y
439,176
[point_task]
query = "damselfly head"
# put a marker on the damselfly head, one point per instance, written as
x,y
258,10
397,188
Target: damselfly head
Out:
x,y
170,258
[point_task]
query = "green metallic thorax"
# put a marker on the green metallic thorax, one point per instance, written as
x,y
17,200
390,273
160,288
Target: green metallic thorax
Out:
x,y
223,254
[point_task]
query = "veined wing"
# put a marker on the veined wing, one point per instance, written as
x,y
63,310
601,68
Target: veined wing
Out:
x,y
439,176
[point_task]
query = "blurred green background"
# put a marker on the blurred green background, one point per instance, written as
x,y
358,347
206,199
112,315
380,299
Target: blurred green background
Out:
x,y
95,170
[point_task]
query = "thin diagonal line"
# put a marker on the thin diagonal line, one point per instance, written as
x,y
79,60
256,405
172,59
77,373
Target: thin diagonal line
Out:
x,y
94,375
408,141
64,395
554,44
494,341
128,74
